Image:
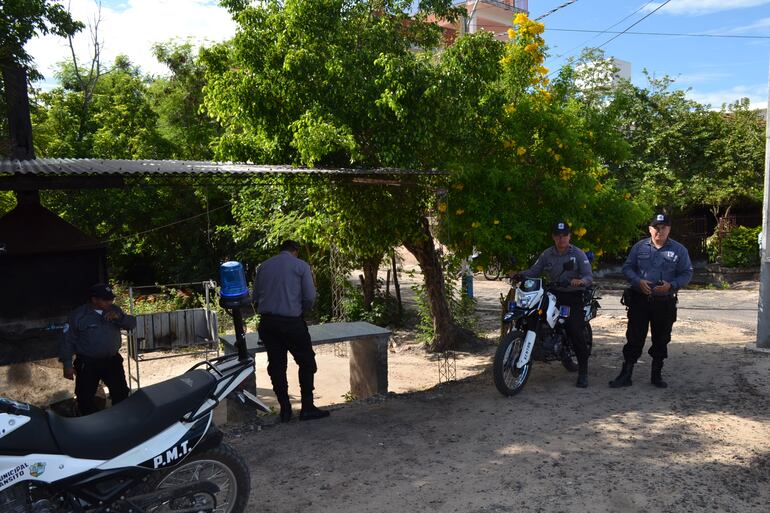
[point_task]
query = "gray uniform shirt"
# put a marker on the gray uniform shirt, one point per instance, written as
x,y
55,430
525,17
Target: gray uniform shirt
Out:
x,y
283,285
90,334
670,263
551,263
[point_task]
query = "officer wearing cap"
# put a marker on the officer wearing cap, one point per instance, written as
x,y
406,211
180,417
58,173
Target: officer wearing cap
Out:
x,y
656,268
283,292
569,273
93,336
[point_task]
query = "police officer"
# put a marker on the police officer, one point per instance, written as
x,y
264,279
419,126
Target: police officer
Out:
x,y
93,336
283,291
656,268
569,273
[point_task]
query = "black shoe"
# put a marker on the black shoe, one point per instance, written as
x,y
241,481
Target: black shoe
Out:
x,y
624,378
582,381
655,376
312,413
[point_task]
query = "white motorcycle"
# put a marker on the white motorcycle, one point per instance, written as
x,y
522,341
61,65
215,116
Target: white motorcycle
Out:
x,y
534,329
155,452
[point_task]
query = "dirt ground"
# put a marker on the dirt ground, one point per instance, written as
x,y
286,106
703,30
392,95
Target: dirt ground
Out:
x,y
700,445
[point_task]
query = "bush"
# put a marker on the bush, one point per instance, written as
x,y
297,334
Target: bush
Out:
x,y
739,247
384,310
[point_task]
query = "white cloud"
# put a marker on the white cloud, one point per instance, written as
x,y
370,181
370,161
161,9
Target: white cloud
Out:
x,y
760,24
695,7
134,28
756,94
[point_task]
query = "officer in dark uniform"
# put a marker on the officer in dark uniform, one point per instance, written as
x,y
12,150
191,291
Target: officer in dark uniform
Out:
x,y
569,273
283,291
93,336
656,267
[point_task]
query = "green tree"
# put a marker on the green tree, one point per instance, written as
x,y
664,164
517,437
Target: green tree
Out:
x,y
178,98
288,89
544,158
20,21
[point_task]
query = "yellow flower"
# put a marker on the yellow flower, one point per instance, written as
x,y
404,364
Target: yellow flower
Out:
x,y
580,232
509,144
475,224
599,252
459,186
542,70
442,207
598,186
496,221
505,60
520,19
508,237
521,151
535,28
530,48
546,95
556,157
627,195
511,33
459,211
510,109
566,173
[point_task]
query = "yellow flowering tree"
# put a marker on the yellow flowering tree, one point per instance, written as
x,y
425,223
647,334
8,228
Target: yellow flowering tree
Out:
x,y
544,162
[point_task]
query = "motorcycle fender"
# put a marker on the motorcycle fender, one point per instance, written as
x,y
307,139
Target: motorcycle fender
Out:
x,y
526,350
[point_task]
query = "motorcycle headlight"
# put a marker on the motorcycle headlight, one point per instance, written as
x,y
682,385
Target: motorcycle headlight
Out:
x,y
525,299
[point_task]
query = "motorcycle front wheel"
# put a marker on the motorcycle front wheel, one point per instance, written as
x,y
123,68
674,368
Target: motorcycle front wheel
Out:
x,y
509,379
221,466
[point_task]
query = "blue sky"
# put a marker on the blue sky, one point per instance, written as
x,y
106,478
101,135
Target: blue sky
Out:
x,y
715,70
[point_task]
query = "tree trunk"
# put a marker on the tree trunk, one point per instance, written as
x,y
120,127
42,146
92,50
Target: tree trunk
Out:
x,y
369,283
17,103
447,334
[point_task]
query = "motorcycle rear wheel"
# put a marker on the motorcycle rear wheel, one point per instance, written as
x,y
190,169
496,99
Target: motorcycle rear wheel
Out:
x,y
220,465
492,270
508,379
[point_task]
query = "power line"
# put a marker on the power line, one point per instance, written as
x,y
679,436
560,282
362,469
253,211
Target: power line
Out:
x,y
167,225
635,23
562,6
660,33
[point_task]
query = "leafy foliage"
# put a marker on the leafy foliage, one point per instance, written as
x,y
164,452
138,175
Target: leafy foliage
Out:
x,y
739,248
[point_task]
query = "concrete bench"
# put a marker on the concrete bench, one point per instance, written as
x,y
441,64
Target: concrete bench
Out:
x,y
368,352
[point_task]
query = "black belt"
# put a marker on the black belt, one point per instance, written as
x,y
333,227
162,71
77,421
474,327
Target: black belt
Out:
x,y
276,316
667,297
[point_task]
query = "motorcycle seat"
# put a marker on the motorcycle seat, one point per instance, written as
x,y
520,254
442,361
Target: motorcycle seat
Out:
x,y
145,413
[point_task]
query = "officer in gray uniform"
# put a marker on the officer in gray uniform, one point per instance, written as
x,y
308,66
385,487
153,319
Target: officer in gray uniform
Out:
x,y
569,273
283,292
93,336
656,268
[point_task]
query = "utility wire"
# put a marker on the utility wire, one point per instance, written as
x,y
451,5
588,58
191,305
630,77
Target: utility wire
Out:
x,y
613,38
581,45
659,33
562,6
167,225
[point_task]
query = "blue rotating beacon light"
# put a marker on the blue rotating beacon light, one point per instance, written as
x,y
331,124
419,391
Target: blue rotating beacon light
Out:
x,y
234,295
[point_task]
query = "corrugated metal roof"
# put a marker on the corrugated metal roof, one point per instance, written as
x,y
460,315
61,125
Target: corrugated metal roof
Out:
x,y
80,167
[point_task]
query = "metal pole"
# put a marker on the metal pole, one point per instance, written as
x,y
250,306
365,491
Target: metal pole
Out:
x,y
763,317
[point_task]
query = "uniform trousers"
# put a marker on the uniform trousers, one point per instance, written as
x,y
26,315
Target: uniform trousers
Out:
x,y
89,371
288,334
656,313
575,324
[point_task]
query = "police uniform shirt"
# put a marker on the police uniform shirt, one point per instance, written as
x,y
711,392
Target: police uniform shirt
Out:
x,y
283,285
670,263
551,263
90,334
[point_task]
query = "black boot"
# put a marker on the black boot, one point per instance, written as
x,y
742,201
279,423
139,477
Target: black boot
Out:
x,y
309,410
624,378
285,403
655,376
582,379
